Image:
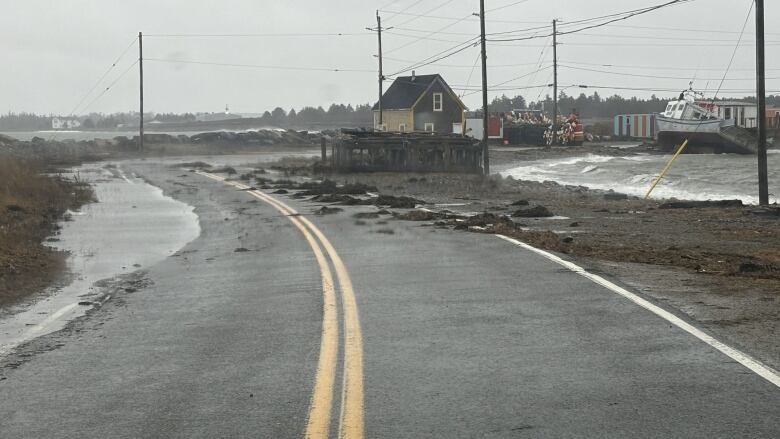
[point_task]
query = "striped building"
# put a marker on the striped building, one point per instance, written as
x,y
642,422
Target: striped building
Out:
x,y
636,126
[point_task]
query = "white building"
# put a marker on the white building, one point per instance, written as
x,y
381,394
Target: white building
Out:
x,y
744,114
65,123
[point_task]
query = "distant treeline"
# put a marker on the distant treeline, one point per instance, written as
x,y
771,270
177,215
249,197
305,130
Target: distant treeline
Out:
x,y
341,115
337,115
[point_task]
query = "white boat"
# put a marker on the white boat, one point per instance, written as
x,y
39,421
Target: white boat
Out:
x,y
700,124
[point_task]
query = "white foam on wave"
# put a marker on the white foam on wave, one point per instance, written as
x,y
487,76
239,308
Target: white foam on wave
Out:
x,y
615,174
590,158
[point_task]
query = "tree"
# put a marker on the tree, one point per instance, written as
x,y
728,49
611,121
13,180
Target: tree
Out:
x,y
278,116
88,123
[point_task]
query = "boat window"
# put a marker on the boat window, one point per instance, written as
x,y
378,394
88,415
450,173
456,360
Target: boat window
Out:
x,y
696,115
669,107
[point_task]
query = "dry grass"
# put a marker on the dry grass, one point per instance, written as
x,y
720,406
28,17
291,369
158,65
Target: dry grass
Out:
x,y
31,203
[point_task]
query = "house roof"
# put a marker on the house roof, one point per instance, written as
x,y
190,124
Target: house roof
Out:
x,y
406,90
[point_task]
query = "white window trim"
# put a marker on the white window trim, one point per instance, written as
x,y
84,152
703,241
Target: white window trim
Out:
x,y
402,127
441,102
430,125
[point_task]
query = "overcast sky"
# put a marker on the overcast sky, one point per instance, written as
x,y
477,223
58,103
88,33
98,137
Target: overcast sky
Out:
x,y
55,51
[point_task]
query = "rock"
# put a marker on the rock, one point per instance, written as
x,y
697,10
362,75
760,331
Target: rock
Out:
x,y
226,170
615,196
280,191
533,212
6,140
769,212
520,203
325,210
397,202
568,240
241,250
751,267
701,204
574,224
419,215
366,215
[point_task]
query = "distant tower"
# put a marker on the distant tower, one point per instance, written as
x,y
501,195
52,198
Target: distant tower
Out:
x,y
227,109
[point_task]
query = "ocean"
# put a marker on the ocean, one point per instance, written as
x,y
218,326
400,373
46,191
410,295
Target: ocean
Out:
x,y
692,177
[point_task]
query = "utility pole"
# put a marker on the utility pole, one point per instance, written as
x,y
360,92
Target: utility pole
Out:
x,y
555,82
141,73
379,56
485,149
381,76
763,179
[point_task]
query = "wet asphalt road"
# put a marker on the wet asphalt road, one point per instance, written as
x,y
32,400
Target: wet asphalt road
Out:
x,y
464,335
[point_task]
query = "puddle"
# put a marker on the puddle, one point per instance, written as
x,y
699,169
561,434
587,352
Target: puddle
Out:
x,y
132,227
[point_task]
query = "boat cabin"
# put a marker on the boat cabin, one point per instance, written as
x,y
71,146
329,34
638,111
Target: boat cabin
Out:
x,y
684,109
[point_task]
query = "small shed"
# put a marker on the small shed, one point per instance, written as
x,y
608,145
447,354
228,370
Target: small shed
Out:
x,y
420,103
635,126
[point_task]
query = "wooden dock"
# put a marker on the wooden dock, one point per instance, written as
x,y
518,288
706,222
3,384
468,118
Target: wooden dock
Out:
x,y
366,151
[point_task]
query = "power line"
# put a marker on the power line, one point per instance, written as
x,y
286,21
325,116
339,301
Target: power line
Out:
x,y
111,85
409,29
441,55
401,12
428,35
675,68
102,77
426,12
506,6
467,66
612,18
695,30
439,17
471,73
637,75
498,86
417,38
323,34
258,66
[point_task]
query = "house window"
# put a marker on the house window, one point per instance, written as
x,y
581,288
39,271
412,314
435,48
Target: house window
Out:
x,y
402,127
429,127
727,114
437,102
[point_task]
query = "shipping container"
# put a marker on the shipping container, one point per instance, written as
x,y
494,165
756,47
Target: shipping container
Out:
x,y
635,126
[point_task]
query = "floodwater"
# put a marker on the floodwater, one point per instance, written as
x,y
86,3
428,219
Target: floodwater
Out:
x,y
692,177
133,226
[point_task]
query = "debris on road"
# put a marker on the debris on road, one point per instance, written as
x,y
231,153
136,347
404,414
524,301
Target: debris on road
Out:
x,y
533,212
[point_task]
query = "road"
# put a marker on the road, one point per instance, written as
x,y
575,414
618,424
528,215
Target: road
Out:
x,y
276,323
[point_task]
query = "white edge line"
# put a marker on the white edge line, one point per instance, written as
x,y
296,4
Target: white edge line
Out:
x,y
744,359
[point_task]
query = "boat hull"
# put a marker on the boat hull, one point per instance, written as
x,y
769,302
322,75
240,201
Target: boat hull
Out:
x,y
708,136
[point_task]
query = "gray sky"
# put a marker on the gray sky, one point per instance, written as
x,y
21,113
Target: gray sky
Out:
x,y
56,50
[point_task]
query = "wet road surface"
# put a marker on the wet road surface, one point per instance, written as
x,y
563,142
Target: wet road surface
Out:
x,y
462,335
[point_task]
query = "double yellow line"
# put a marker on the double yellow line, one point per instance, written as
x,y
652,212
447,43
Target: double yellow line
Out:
x,y
321,406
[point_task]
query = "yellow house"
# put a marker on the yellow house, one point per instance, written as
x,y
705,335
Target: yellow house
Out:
x,y
420,103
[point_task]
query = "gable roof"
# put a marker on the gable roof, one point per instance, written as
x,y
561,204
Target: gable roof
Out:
x,y
407,90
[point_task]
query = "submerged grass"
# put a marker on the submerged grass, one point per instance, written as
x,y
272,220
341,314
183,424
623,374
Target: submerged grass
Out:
x,y
31,203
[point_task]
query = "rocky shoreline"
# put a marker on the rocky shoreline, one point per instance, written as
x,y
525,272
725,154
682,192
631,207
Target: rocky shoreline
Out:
x,y
71,152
